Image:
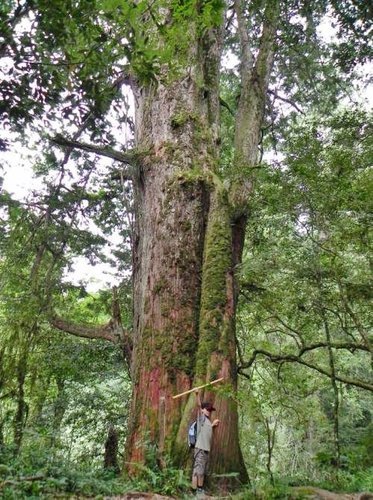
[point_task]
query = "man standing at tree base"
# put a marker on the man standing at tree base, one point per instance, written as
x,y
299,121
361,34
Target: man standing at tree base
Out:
x,y
203,443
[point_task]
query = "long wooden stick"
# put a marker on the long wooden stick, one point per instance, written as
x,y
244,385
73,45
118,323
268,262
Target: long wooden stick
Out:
x,y
198,388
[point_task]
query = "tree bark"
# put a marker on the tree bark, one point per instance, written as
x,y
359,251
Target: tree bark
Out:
x,y
171,205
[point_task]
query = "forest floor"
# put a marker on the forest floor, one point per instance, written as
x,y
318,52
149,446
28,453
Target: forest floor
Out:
x,y
320,494
298,493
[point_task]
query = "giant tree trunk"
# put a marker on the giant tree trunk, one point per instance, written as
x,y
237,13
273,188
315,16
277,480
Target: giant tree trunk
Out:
x,y
177,132
172,202
189,240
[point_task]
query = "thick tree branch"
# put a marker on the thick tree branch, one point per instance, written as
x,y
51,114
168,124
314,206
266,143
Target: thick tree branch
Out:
x,y
351,346
247,59
129,157
254,75
113,331
264,60
104,332
289,358
22,479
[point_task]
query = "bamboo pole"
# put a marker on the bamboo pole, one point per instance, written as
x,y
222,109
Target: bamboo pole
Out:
x,y
198,388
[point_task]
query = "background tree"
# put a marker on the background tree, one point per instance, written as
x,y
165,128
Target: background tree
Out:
x,y
308,254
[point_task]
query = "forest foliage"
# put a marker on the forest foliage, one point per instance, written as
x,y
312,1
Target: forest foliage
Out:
x,y
303,322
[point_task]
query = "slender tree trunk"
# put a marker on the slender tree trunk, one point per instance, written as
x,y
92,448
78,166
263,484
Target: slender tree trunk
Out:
x,y
2,385
40,391
111,450
59,408
21,412
271,435
337,449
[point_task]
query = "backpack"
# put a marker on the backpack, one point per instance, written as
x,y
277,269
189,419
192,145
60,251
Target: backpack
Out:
x,y
192,434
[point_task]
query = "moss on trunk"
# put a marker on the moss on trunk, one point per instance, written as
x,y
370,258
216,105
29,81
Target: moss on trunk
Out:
x,y
216,356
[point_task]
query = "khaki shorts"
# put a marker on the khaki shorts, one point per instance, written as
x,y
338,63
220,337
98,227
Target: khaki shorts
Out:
x,y
201,458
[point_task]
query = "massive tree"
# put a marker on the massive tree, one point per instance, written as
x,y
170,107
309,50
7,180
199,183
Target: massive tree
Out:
x,y
191,208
